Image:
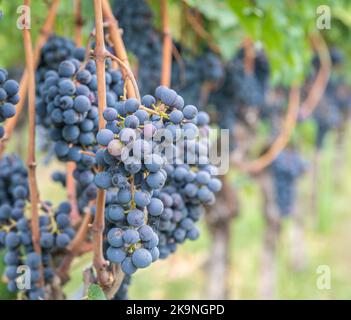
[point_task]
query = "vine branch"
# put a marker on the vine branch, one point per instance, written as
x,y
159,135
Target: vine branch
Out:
x,y
78,22
128,71
249,56
167,46
100,264
321,81
201,32
120,50
33,186
279,144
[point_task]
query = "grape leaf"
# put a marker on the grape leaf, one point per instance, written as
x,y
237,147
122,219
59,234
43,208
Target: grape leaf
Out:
x,y
96,293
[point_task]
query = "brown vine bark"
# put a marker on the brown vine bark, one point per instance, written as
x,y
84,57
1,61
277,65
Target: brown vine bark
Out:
x,y
321,81
33,186
167,46
43,36
267,285
78,21
99,262
120,50
109,279
218,219
201,32
279,144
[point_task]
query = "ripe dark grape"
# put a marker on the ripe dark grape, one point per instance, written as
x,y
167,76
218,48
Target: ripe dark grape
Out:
x,y
8,98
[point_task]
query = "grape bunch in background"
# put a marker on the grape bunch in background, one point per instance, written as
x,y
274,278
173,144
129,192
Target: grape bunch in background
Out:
x,y
8,98
16,234
138,146
145,42
141,39
286,169
327,117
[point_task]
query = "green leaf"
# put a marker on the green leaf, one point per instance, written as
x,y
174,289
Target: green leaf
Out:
x,y
215,10
96,293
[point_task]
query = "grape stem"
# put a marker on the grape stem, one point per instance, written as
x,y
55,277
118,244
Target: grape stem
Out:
x,y
88,153
279,144
167,46
120,50
321,81
33,186
129,73
42,38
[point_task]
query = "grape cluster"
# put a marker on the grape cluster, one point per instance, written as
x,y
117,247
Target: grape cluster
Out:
x,y
327,116
16,233
8,98
137,144
286,168
244,90
70,96
188,79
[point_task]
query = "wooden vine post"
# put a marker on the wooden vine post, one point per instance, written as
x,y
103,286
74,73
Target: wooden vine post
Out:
x,y
33,186
42,38
218,219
